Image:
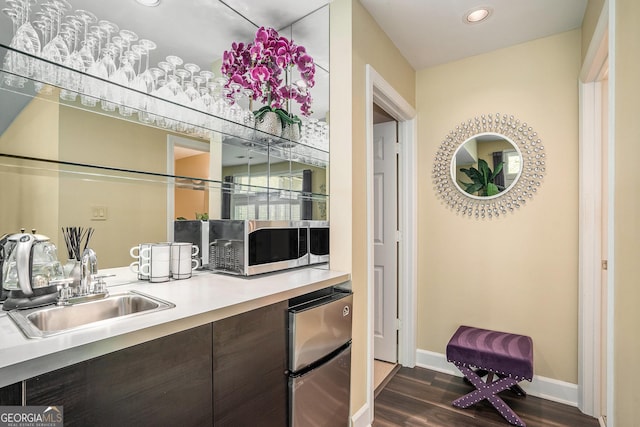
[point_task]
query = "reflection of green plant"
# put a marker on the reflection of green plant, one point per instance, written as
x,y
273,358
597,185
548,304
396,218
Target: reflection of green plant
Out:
x,y
181,218
202,216
482,179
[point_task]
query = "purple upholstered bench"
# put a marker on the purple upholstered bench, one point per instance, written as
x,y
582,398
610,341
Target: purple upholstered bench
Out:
x,y
508,356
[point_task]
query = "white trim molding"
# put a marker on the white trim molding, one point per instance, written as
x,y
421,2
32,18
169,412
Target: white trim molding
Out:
x,y
361,417
589,250
590,243
543,387
172,142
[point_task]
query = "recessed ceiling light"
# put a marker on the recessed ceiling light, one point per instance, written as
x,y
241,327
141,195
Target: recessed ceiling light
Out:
x,y
477,15
149,2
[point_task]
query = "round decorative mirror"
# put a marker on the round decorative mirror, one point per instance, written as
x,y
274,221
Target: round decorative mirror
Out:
x,y
488,166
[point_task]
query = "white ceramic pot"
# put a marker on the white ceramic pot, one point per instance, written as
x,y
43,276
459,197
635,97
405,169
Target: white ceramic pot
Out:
x,y
291,132
270,123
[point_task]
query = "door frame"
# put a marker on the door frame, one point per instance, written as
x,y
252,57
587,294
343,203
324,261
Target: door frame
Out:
x,y
590,319
172,142
385,96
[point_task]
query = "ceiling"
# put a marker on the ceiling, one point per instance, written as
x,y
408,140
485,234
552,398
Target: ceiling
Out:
x,y
433,32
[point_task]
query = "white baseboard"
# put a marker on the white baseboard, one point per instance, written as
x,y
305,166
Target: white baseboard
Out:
x,y
543,387
361,418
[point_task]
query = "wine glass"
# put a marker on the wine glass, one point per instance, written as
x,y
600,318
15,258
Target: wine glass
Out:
x,y
109,51
248,118
56,50
190,87
148,113
86,51
134,98
87,43
25,38
11,58
69,80
125,76
44,23
93,88
145,47
220,105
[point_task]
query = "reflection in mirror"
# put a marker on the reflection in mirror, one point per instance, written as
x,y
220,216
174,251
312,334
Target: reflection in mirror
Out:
x,y
50,195
486,165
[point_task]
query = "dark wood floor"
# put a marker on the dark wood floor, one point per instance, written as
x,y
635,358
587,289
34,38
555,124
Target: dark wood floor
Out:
x,y
421,397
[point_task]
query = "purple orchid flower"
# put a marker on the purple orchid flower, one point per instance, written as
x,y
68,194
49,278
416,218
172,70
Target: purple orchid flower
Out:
x,y
259,66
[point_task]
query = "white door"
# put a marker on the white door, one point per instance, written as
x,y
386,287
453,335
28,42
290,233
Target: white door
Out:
x,y
385,242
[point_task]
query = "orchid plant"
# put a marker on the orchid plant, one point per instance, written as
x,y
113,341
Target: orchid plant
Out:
x,y
265,65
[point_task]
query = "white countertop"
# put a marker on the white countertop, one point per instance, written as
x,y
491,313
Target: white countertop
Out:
x,y
204,298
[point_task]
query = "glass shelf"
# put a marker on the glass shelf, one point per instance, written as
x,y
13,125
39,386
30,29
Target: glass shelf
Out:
x,y
65,86
15,164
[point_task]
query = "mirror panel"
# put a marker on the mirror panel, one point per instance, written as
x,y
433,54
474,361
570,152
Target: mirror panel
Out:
x,y
101,159
498,153
478,138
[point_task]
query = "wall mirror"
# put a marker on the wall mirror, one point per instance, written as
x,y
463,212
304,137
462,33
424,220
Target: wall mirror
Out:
x,y
488,166
129,174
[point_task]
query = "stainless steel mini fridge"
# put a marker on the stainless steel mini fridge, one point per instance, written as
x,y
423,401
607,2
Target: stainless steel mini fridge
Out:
x,y
320,360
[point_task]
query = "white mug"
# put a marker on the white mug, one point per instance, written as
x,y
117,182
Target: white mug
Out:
x,y
182,261
139,269
142,270
158,256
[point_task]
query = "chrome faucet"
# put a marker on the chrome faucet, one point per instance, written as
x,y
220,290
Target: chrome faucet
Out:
x,y
88,269
91,286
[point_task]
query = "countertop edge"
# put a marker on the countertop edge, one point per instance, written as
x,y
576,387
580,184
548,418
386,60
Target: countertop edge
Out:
x,y
22,370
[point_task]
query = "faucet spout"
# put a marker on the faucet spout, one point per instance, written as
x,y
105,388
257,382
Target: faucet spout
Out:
x,y
89,268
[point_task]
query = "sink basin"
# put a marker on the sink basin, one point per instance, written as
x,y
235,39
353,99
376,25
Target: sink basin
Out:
x,y
46,321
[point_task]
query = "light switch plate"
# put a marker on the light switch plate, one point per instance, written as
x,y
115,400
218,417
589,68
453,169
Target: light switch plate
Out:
x,y
98,213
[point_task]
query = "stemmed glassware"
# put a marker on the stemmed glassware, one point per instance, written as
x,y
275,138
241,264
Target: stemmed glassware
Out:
x,y
94,53
88,45
25,37
248,119
56,50
144,81
107,63
10,61
124,73
71,82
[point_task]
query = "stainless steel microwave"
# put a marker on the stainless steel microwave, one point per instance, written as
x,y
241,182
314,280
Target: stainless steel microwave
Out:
x,y
249,247
318,238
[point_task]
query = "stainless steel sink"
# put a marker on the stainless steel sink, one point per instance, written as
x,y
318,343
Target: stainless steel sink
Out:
x,y
46,321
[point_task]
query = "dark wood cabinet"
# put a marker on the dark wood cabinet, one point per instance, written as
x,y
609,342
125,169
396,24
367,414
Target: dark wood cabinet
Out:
x,y
166,381
11,394
249,368
228,373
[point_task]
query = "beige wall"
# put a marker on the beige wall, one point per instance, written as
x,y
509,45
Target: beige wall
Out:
x,y
188,201
30,198
528,282
356,40
137,210
627,213
591,16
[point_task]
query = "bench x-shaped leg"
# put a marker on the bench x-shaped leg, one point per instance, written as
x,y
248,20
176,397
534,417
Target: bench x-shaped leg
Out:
x,y
488,391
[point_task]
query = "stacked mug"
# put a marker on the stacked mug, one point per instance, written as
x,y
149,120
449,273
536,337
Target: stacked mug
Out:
x,y
158,262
